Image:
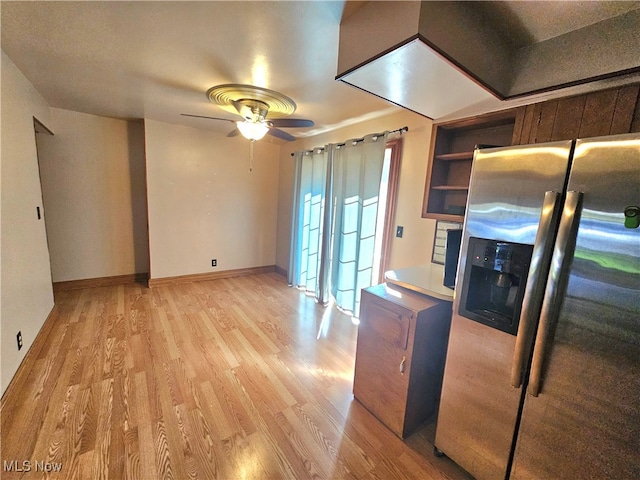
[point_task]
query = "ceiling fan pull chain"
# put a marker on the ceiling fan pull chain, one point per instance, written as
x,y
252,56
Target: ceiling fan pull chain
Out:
x,y
251,156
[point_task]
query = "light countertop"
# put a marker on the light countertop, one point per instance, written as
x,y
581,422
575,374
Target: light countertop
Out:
x,y
425,279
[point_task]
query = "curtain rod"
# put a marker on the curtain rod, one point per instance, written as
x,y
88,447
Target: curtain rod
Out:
x,y
398,130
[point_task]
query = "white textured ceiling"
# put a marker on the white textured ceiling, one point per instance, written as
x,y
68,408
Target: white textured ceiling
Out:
x,y
157,59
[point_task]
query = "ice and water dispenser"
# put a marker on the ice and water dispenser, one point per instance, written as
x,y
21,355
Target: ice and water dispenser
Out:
x,y
494,281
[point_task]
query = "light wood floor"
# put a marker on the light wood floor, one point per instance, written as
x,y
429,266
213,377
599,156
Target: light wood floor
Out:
x,y
236,378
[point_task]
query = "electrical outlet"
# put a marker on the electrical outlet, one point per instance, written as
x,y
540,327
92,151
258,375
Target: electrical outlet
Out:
x,y
214,262
19,338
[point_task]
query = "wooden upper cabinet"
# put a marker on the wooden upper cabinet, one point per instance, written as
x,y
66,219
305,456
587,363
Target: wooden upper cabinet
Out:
x,y
605,112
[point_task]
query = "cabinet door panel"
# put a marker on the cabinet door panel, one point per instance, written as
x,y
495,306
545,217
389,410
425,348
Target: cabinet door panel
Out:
x,y
544,117
390,326
527,124
383,363
568,117
380,386
598,113
623,114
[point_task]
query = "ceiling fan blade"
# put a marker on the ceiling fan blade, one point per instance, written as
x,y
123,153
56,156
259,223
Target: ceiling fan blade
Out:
x,y
233,133
209,118
291,122
281,134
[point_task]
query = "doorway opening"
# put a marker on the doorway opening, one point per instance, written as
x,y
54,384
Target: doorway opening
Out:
x,y
39,129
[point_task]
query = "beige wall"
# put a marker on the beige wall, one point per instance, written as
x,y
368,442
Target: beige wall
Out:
x,y
94,191
25,287
204,203
414,248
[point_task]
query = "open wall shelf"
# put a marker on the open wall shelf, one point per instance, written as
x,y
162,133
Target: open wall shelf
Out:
x,y
451,158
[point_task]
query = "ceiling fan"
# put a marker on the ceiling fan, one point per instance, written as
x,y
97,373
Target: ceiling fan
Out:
x,y
262,110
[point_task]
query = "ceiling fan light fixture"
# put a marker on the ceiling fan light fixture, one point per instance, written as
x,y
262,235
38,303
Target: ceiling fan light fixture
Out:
x,y
252,131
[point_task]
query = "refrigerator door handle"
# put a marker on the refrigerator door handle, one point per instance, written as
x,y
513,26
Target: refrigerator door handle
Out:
x,y
556,284
536,279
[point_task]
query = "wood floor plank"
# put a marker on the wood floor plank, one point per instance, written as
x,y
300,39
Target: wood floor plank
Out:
x,y
132,454
83,425
204,445
330,433
145,420
229,356
54,409
289,380
224,422
223,379
85,464
303,445
321,448
93,368
104,427
186,439
163,461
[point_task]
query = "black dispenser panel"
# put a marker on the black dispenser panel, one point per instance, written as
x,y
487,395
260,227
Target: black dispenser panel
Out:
x,y
494,282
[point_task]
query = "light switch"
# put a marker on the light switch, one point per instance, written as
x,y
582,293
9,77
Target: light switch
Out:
x,y
399,230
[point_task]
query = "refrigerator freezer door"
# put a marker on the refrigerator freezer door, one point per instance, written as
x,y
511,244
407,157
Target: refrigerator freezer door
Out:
x,y
536,281
479,407
555,288
585,421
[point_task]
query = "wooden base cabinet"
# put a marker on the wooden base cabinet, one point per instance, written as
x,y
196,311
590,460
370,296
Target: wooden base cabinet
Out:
x,y
400,355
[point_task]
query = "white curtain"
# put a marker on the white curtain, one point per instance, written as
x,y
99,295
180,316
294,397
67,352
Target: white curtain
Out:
x,y
310,182
332,247
357,171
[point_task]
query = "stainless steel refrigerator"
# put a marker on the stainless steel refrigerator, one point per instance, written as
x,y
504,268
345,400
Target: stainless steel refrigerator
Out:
x,y
542,378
